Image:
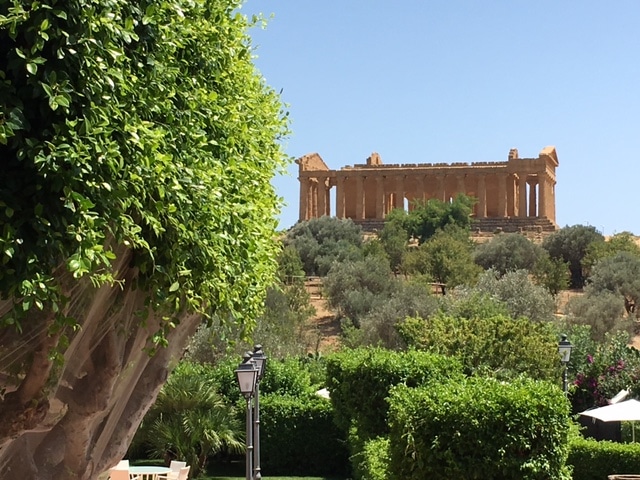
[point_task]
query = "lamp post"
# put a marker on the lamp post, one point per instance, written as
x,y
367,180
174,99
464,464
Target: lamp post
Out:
x,y
564,349
260,360
247,375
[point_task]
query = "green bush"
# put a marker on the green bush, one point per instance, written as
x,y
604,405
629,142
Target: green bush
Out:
x,y
495,345
359,381
593,460
298,437
479,429
375,459
290,376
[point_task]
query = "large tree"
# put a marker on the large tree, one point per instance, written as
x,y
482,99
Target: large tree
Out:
x,y
137,143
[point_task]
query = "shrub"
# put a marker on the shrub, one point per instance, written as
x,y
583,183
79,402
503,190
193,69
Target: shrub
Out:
x,y
322,241
355,288
378,327
518,293
359,381
478,429
508,252
375,459
298,436
609,367
495,345
595,460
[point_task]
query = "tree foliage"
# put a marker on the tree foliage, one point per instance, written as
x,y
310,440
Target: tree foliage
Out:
x,y
322,241
571,245
621,242
447,258
357,288
517,292
138,143
426,218
495,345
619,274
508,252
190,420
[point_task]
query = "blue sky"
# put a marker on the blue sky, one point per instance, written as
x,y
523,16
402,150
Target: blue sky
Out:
x,y
464,81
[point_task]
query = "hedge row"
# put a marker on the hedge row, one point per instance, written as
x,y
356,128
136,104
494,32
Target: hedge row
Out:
x,y
360,380
595,460
479,429
298,437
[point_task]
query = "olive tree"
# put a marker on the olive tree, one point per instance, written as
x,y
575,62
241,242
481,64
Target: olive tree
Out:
x,y
138,144
571,244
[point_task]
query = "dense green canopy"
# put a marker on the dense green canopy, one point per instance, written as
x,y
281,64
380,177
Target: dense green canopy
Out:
x,y
137,143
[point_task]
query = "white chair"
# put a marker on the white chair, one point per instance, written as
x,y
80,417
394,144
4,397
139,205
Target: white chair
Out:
x,y
122,464
174,474
175,466
184,473
121,474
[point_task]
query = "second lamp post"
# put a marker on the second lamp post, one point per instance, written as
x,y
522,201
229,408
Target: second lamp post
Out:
x,y
248,374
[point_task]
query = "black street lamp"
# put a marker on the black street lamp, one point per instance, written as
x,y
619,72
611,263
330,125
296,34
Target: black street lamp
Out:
x,y
564,349
260,359
247,376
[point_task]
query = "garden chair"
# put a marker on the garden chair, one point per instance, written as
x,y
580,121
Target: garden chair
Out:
x,y
174,474
121,474
184,473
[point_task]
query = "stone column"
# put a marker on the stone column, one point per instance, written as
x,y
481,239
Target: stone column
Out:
x,y
441,189
340,196
532,198
304,199
379,197
360,197
460,184
511,195
502,195
522,194
542,187
420,184
482,196
322,197
399,200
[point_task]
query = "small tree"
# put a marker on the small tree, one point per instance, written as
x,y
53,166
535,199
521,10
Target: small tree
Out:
x,y
445,258
571,244
552,273
356,288
519,294
508,252
322,241
621,242
619,274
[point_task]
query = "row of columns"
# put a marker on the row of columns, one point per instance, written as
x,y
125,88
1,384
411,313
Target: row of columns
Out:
x,y
315,194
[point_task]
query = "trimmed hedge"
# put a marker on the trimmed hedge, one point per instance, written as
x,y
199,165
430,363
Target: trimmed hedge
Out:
x,y
359,382
595,460
479,429
375,460
298,437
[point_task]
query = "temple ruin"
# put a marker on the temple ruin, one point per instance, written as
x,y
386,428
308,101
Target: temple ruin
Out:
x,y
515,195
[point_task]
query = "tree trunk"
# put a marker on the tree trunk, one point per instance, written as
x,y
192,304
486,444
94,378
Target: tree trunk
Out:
x,y
72,418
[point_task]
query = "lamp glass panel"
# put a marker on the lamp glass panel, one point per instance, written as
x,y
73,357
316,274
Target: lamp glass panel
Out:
x,y
247,379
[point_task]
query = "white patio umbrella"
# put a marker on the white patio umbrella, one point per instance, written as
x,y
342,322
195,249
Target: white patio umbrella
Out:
x,y
627,411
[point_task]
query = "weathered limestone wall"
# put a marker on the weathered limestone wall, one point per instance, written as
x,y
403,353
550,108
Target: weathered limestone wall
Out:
x,y
521,188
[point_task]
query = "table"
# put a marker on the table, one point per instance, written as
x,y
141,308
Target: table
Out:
x,y
149,472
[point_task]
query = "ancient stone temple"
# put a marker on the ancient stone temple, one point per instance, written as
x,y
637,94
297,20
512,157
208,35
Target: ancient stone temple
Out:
x,y
515,195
